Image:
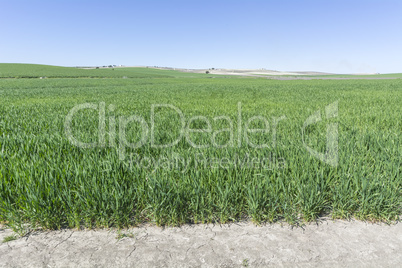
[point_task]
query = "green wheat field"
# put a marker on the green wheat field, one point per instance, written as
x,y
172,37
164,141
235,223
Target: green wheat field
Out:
x,y
238,148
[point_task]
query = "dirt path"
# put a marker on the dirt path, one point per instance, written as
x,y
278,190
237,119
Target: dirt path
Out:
x,y
334,244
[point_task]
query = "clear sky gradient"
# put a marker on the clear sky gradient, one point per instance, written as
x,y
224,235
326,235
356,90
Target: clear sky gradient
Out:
x,y
331,36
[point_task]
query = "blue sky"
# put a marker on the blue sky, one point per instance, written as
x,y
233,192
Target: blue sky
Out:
x,y
332,36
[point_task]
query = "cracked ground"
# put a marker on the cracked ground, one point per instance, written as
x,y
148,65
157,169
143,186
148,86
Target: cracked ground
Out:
x,y
329,243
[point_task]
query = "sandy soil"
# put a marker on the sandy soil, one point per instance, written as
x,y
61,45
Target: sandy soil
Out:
x,y
250,72
330,78
334,244
277,75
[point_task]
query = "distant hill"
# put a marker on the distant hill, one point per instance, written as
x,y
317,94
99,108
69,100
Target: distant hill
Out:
x,y
17,70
